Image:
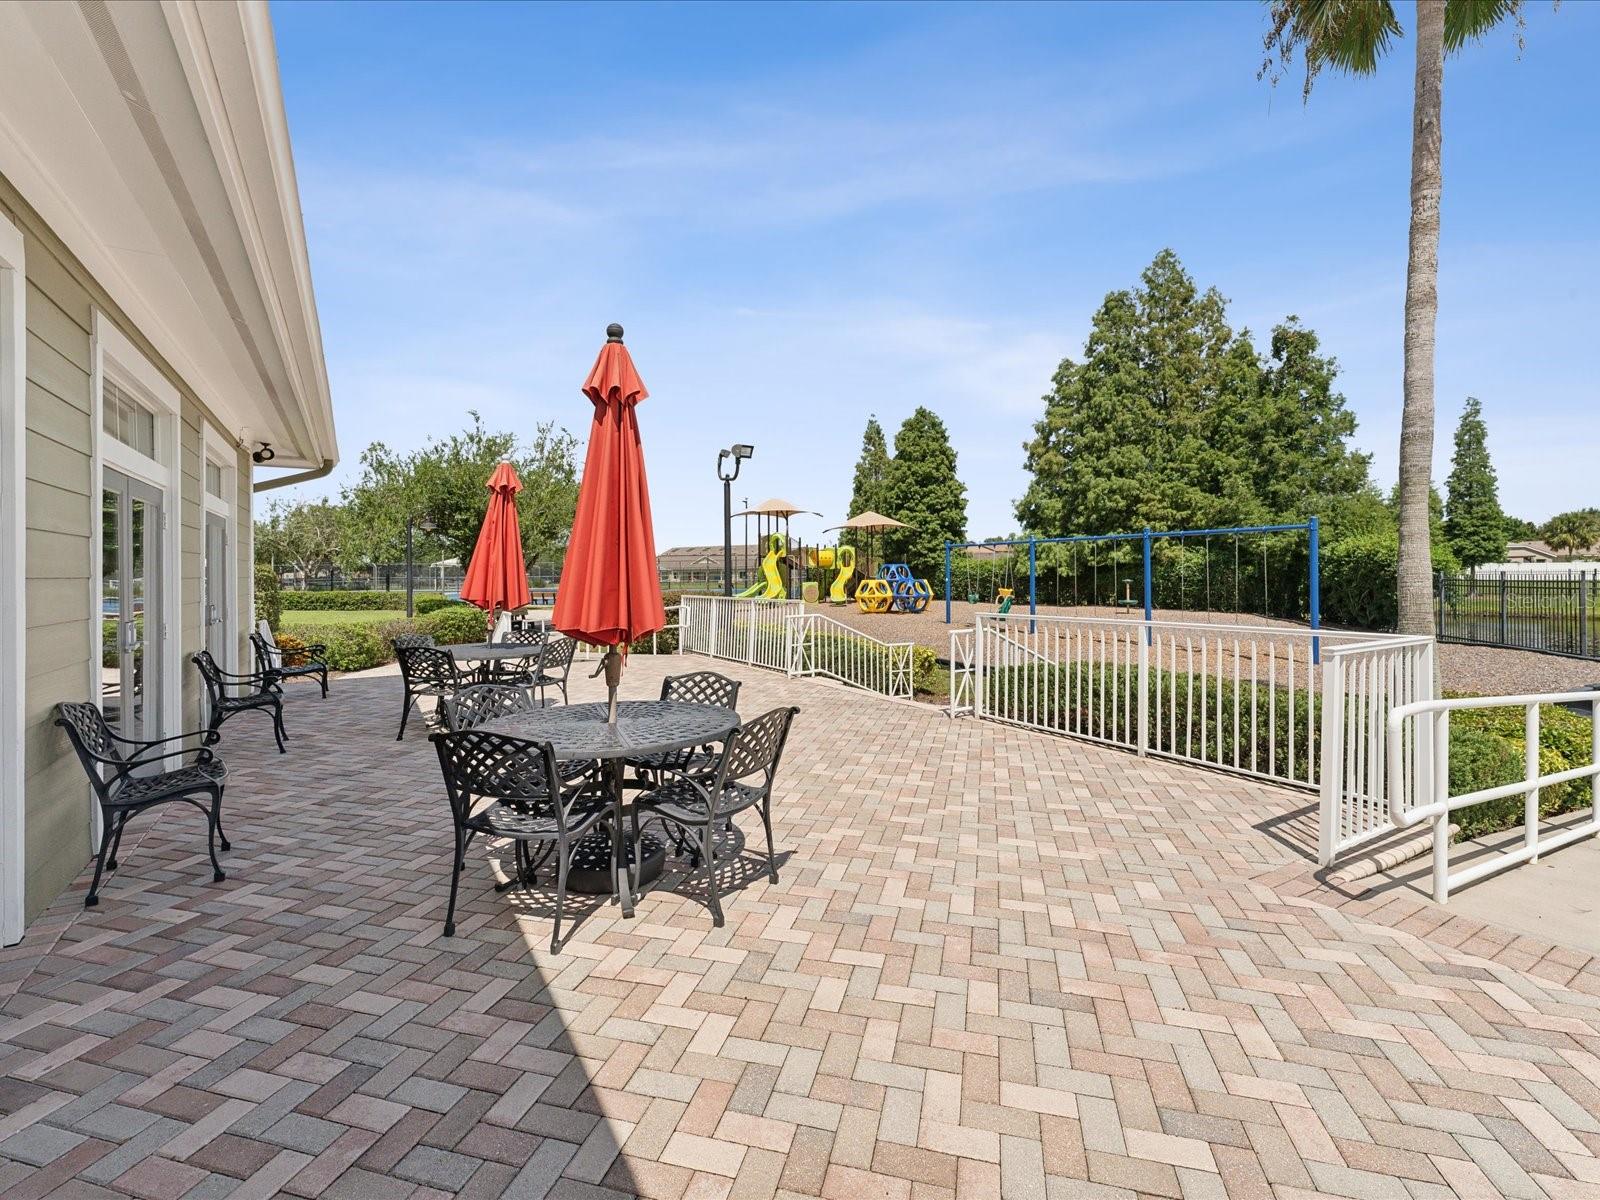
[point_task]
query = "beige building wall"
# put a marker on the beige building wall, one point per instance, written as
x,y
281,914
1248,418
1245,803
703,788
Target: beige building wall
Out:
x,y
61,514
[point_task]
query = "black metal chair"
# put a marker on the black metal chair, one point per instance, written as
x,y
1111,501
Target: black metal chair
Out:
x,y
472,706
410,641
270,660
425,670
229,695
555,663
528,804
123,792
701,687
517,671
699,807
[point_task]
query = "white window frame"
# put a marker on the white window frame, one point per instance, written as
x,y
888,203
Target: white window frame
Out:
x,y
216,450
113,354
13,581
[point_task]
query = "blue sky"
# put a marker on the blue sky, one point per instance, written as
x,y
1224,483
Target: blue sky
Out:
x,y
803,214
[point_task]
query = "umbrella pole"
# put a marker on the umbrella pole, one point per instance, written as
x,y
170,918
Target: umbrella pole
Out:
x,y
613,668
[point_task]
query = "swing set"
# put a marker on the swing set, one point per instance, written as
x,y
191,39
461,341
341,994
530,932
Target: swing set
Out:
x,y
1004,575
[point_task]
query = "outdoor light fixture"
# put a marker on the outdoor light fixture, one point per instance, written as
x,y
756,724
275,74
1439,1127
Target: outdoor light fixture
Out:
x,y
739,451
264,455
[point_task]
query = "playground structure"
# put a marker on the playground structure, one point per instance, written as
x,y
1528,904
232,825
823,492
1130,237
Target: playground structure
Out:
x,y
894,589
845,558
1132,565
771,585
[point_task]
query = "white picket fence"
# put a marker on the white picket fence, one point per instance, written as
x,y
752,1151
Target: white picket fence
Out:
x,y
739,630
820,645
782,636
1290,705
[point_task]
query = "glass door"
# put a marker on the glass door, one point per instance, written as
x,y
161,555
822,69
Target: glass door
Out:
x,y
216,585
130,606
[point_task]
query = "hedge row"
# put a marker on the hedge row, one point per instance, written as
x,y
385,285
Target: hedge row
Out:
x,y
336,601
1486,745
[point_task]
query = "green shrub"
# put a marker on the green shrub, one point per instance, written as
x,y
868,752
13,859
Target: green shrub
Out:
x,y
1486,750
426,602
356,647
344,601
454,624
926,673
1358,579
269,596
666,642
293,648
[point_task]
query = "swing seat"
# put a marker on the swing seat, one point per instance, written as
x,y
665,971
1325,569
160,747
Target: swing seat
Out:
x,y
1005,602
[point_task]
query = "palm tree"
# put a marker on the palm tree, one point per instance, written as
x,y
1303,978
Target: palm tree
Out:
x,y
1573,531
1351,36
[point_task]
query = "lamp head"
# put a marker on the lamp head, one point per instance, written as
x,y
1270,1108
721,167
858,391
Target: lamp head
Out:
x,y
264,454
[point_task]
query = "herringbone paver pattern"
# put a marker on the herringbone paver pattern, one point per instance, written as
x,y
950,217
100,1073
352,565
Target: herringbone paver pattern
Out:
x,y
998,964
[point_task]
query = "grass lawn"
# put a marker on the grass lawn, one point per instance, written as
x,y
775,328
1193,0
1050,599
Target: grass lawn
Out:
x,y
341,617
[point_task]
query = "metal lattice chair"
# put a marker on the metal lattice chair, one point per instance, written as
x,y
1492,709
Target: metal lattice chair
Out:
x,y
118,767
520,671
410,641
425,670
701,687
472,706
555,663
699,807
229,694
270,659
527,803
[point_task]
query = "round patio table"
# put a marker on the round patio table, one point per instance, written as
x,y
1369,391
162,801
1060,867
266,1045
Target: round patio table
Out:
x,y
580,733
490,651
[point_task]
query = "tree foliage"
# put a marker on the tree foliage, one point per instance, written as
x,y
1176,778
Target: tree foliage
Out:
x,y
923,490
869,489
1570,533
1473,523
443,483
1174,420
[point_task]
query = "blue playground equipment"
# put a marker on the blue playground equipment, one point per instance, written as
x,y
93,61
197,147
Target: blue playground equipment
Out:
x,y
1147,538
907,593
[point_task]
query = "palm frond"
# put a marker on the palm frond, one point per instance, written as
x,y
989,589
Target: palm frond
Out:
x,y
1467,20
1348,35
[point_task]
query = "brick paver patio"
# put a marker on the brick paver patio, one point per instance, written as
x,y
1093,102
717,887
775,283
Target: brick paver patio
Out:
x,y
998,964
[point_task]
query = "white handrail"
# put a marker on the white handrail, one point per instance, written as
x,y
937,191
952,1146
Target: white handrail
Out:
x,y
1436,781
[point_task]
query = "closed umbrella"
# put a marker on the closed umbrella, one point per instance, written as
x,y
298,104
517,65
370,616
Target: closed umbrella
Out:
x,y
497,576
610,593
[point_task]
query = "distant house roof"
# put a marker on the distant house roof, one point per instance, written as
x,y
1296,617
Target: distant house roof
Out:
x,y
1530,551
701,558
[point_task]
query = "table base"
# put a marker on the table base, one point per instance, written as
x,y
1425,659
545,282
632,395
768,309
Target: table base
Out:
x,y
590,871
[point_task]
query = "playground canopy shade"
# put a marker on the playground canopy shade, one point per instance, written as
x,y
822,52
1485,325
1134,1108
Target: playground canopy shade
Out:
x,y
870,520
610,594
777,508
497,576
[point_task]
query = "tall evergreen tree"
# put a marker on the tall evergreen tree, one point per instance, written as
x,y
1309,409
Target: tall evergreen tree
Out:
x,y
924,492
1173,420
867,491
1473,523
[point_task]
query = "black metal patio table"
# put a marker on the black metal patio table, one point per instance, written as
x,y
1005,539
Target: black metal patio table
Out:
x,y
485,653
580,733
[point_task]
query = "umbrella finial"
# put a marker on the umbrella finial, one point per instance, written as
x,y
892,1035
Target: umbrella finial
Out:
x,y
613,332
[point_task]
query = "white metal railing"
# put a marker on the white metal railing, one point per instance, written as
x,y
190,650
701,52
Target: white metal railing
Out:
x,y
674,621
1362,683
821,645
740,630
1428,775
1251,699
961,671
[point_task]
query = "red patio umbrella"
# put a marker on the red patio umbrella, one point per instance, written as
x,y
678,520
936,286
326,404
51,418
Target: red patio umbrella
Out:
x,y
610,594
497,577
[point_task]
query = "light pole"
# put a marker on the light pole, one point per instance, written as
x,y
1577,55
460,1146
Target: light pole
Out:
x,y
739,451
426,526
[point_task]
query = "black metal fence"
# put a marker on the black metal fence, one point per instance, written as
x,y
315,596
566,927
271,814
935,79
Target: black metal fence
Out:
x,y
1554,612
